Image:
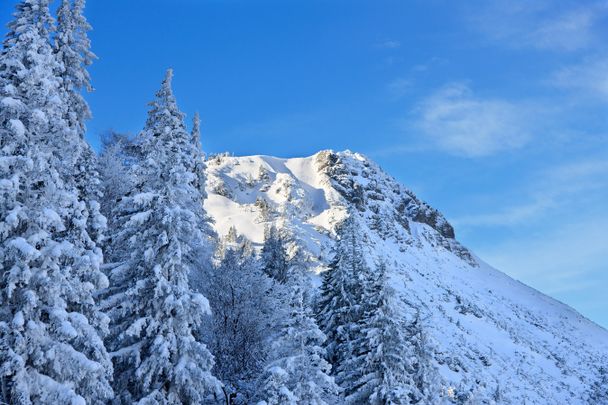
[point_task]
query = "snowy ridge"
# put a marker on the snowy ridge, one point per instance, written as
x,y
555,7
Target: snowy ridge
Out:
x,y
491,334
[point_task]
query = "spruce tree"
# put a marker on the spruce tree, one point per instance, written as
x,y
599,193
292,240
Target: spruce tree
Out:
x,y
208,247
75,159
198,155
274,257
275,388
425,375
382,369
50,346
154,312
117,180
341,296
72,49
297,362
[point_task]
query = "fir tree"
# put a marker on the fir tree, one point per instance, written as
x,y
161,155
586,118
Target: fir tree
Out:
x,y
72,49
154,311
274,257
275,388
341,296
114,165
381,372
198,154
425,375
297,365
50,346
208,247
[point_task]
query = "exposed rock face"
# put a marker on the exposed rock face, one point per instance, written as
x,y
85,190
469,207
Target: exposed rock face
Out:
x,y
493,336
361,182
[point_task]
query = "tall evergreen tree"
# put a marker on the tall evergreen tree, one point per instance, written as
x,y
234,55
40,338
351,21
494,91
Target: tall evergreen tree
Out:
x,y
114,164
50,346
75,160
72,49
382,369
274,257
340,305
297,362
198,154
153,309
275,388
425,375
208,247
373,350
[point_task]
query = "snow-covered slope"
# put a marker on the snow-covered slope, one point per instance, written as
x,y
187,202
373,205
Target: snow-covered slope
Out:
x,y
490,332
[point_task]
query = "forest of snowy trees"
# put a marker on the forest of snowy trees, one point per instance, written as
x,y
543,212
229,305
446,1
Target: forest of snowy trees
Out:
x,y
114,287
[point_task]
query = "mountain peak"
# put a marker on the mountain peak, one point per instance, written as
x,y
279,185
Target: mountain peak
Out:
x,y
491,332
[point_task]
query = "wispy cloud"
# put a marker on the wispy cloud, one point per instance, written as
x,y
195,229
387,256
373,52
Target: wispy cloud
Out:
x,y
541,24
565,185
588,78
389,44
567,260
505,217
560,260
461,123
402,85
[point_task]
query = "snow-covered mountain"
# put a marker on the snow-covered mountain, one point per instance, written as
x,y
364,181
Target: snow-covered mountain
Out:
x,y
490,333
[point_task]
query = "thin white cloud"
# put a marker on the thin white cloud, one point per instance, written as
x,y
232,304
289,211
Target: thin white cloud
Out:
x,y
559,260
458,122
558,240
507,217
389,44
568,261
568,26
557,187
581,174
569,31
587,78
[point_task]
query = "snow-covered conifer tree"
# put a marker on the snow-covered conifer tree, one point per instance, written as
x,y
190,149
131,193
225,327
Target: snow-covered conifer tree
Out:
x,y
425,376
50,346
210,237
373,353
73,49
117,180
274,257
298,358
233,240
382,369
78,165
153,309
275,388
340,305
198,154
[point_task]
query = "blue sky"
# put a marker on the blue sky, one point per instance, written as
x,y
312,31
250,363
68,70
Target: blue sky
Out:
x,y
493,111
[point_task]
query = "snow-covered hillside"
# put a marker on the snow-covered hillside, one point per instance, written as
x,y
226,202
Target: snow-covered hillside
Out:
x,y
490,332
